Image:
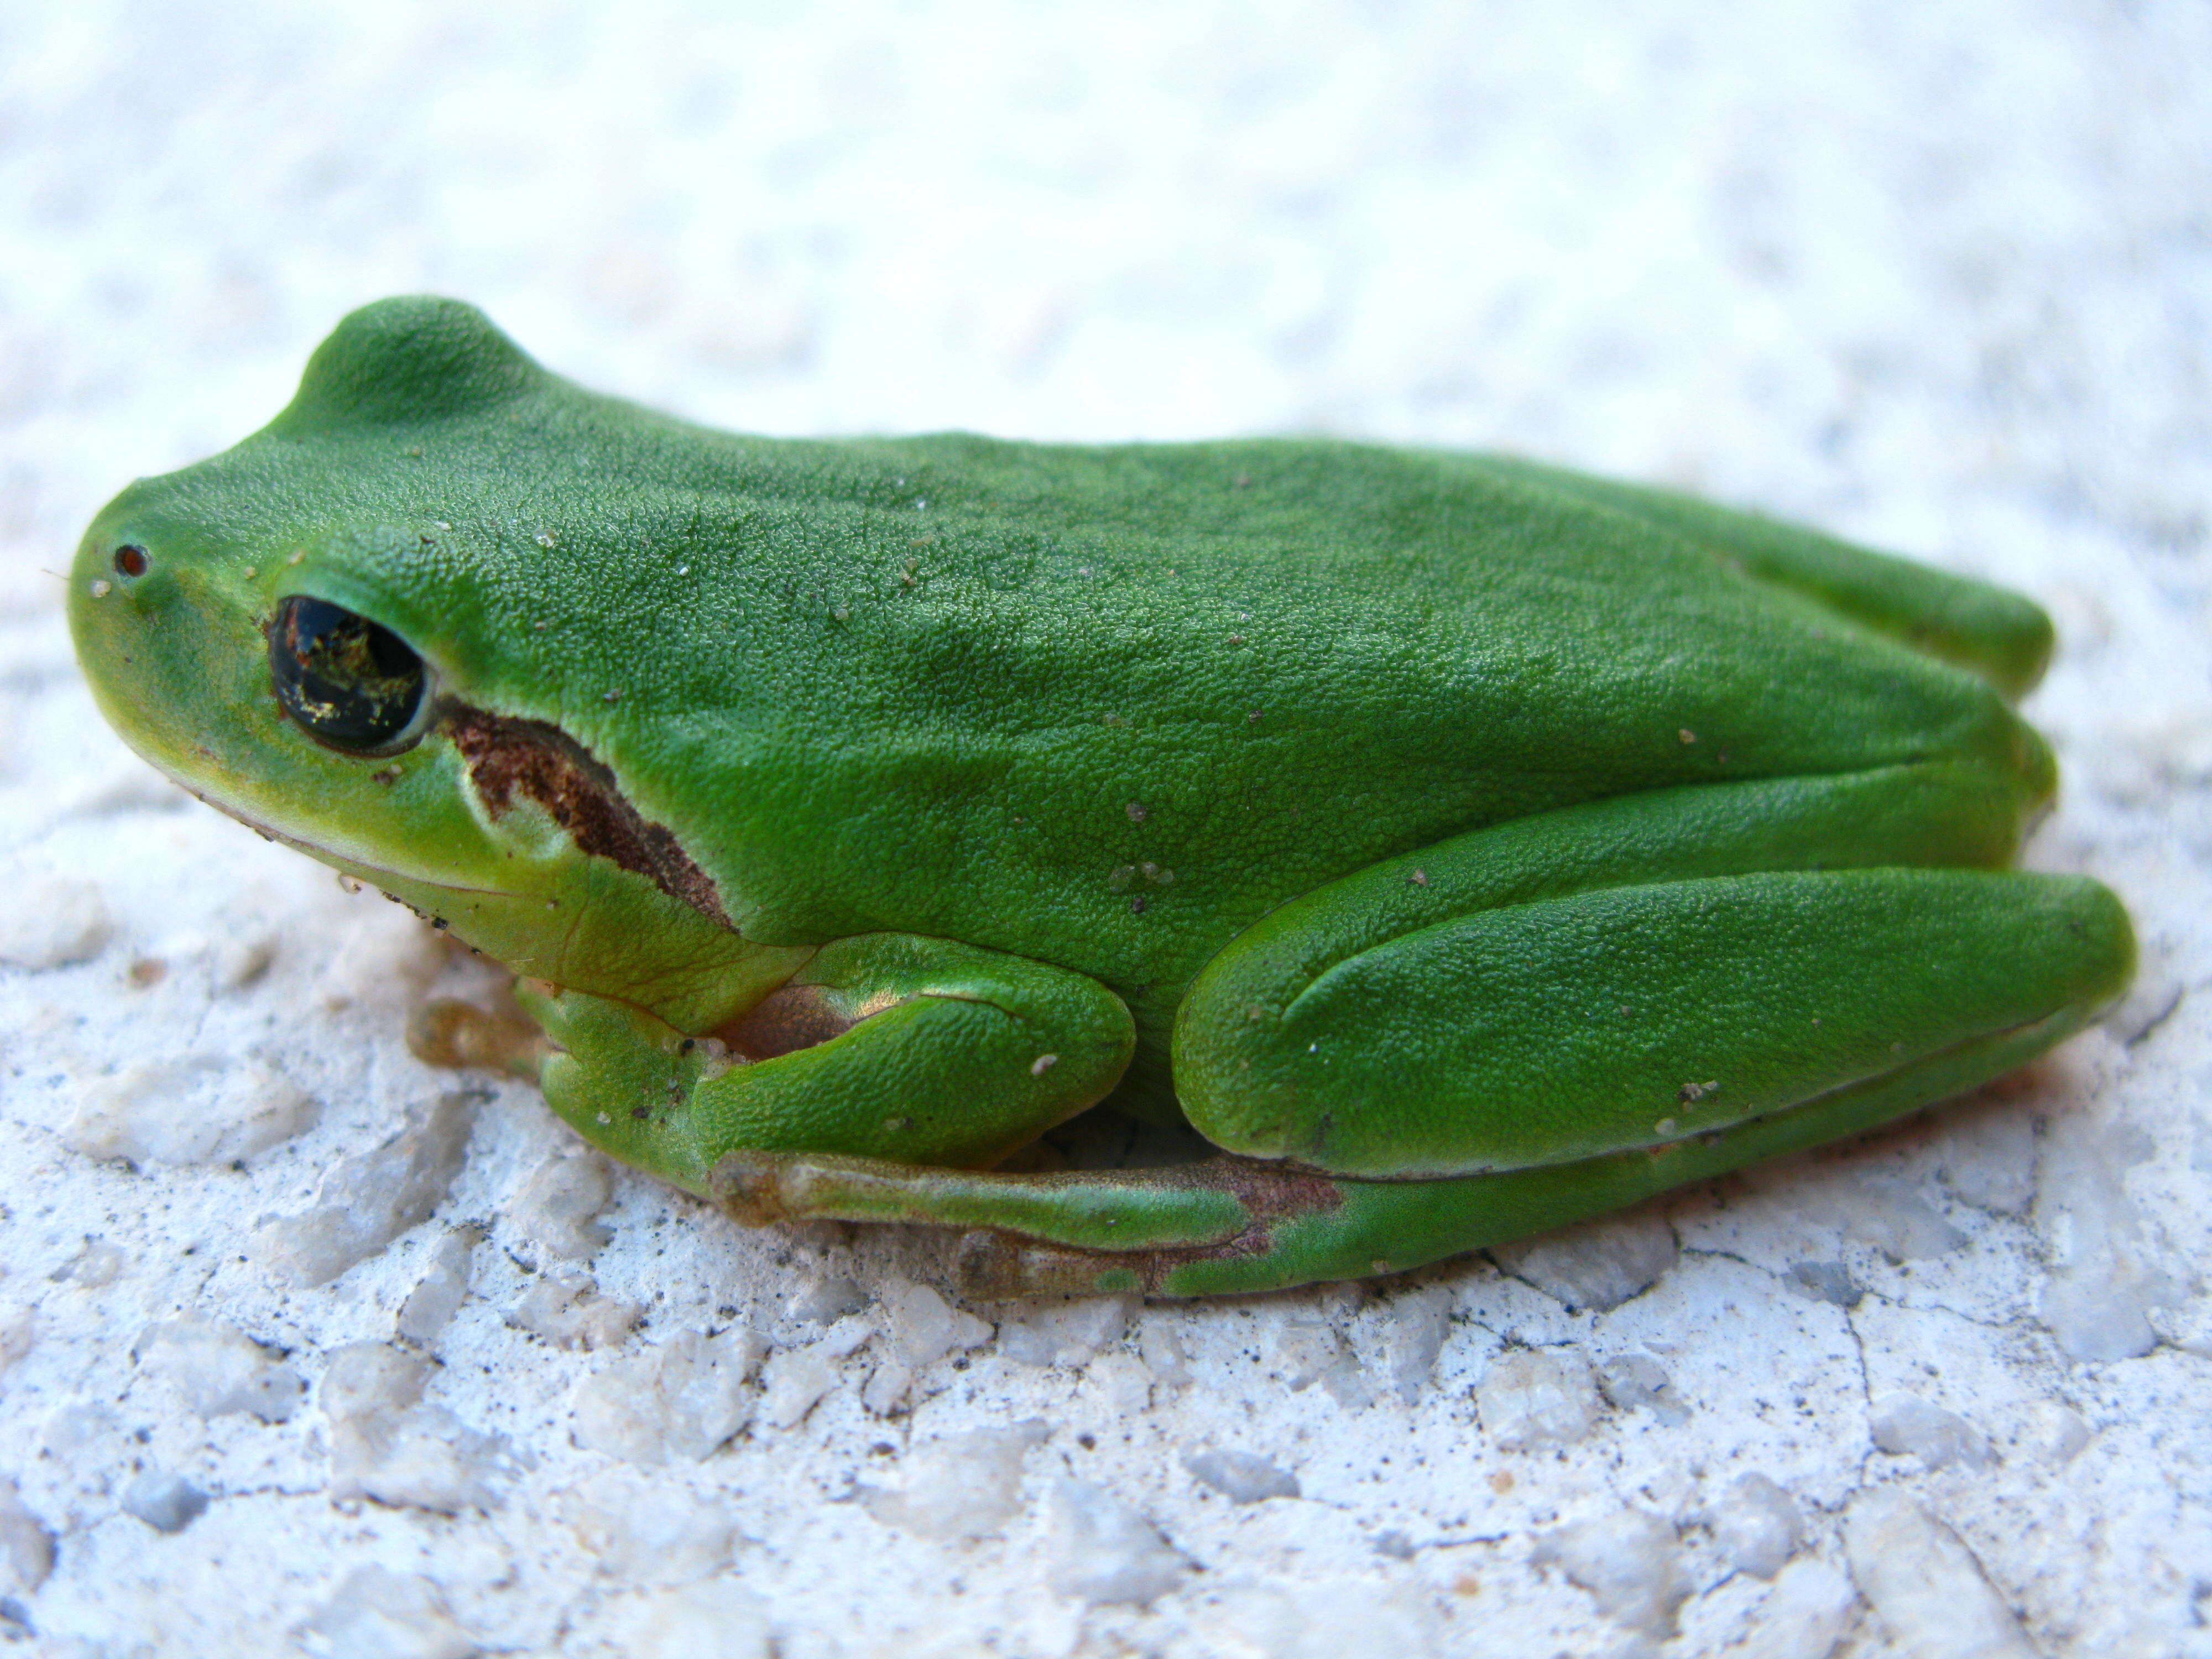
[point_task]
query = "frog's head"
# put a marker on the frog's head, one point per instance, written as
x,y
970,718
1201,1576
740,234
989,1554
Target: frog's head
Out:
x,y
292,632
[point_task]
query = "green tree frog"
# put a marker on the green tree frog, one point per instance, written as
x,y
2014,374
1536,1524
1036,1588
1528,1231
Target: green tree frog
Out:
x,y
1460,846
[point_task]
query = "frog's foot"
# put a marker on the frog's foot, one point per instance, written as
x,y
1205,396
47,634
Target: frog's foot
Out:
x,y
1228,1224
447,1031
1213,1202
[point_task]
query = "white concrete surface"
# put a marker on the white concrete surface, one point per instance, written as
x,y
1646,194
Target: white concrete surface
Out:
x,y
1936,276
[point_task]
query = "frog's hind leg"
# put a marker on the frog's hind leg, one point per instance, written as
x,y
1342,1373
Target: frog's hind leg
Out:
x,y
2000,635
1545,1020
1632,971
1231,1224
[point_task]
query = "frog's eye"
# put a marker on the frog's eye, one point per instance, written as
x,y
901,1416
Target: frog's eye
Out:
x,y
350,683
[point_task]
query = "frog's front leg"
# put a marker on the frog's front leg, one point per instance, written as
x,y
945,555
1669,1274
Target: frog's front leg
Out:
x,y
884,1045
1550,1019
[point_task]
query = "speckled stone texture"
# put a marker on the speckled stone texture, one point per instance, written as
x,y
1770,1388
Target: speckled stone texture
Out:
x,y
306,1346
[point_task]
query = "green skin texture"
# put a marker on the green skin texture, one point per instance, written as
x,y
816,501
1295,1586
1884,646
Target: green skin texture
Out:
x,y
1463,846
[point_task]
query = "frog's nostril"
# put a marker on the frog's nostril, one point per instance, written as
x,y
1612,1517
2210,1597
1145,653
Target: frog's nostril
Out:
x,y
131,559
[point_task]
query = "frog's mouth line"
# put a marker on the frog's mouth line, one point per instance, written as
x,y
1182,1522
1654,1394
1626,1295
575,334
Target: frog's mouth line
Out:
x,y
346,863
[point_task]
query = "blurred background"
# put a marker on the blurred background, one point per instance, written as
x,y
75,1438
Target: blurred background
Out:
x,y
1897,267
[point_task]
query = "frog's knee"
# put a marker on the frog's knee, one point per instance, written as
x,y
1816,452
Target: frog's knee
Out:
x,y
1252,1086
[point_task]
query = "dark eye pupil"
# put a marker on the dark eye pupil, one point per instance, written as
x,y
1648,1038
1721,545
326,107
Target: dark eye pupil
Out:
x,y
350,682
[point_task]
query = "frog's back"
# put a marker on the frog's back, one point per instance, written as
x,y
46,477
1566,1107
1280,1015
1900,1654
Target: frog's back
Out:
x,y
1107,705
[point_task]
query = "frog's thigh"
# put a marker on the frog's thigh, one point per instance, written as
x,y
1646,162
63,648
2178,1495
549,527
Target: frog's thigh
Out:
x,y
886,1046
1435,1015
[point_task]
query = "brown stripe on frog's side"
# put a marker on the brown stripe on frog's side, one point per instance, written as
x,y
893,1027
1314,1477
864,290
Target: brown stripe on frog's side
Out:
x,y
508,756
